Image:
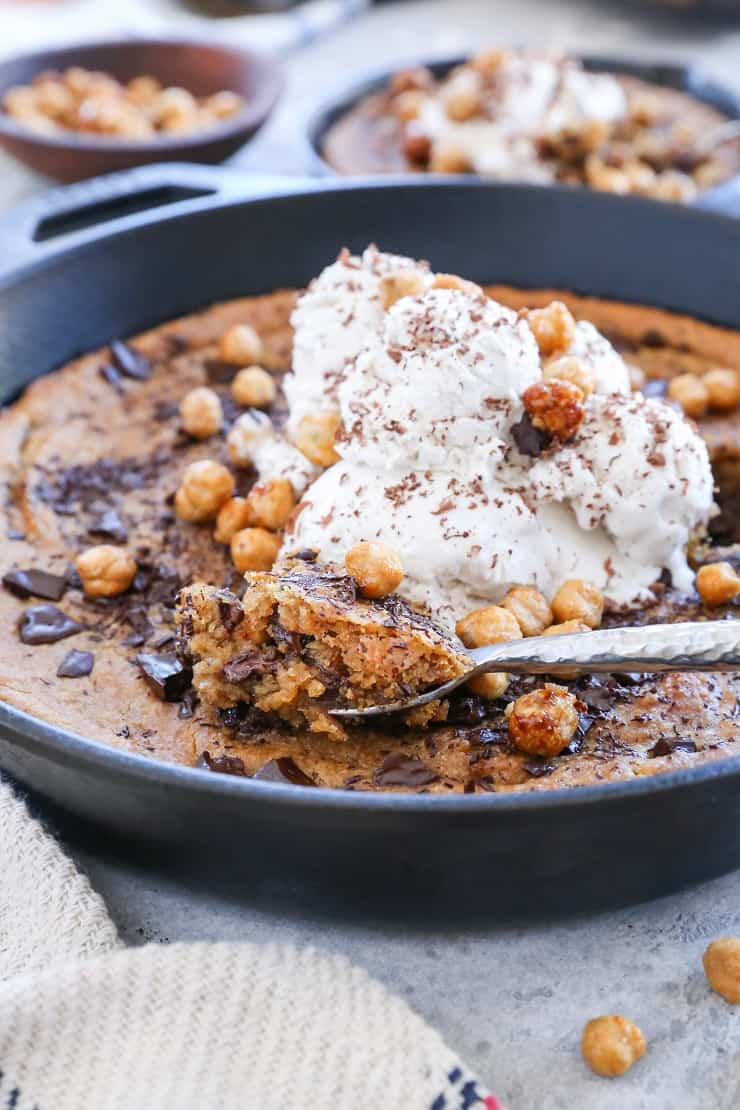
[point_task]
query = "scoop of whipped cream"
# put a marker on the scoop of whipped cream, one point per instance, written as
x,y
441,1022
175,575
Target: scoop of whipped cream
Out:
x,y
428,463
331,324
529,96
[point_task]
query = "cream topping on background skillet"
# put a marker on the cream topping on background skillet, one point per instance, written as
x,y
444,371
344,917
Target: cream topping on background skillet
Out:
x,y
524,99
431,399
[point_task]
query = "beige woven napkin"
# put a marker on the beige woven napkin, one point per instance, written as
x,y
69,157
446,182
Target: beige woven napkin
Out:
x,y
87,1023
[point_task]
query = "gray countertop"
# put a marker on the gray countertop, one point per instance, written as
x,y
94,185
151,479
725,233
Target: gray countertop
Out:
x,y
511,999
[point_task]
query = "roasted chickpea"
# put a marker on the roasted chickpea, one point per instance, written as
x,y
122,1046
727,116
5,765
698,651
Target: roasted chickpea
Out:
x,y
402,283
417,147
556,407
452,281
573,370
316,435
407,105
553,326
612,1044
578,600
144,90
491,625
418,78
246,434
240,345
640,175
566,627
544,721
489,686
204,487
448,158
607,179
691,393
271,503
201,412
105,570
233,515
254,549
173,106
722,966
674,186
723,389
254,387
224,104
488,61
376,568
462,102
717,583
529,608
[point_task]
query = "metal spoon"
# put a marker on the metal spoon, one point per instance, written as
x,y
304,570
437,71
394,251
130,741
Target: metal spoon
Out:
x,y
692,646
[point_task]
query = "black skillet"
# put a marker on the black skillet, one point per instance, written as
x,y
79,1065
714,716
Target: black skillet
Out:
x,y
116,255
685,78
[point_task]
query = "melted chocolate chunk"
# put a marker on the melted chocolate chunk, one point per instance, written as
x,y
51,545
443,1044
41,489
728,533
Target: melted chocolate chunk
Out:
x,y
110,375
399,769
109,525
530,440
189,702
35,583
230,613
220,372
468,710
130,362
283,769
223,764
668,744
76,664
164,411
45,624
538,768
166,675
249,663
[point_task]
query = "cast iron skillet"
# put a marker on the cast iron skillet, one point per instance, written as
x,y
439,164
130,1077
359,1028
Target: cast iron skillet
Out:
x,y
689,79
96,261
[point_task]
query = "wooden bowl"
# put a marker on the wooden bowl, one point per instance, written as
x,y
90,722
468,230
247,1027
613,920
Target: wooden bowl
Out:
x,y
202,70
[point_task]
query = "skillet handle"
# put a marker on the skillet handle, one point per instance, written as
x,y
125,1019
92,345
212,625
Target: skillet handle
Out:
x,y
724,199
72,214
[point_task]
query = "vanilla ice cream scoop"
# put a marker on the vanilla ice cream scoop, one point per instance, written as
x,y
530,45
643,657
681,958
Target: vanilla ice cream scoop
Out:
x,y
442,376
639,472
332,322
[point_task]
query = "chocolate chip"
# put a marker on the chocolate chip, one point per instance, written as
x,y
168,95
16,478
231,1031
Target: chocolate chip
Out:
x,y
219,372
668,744
468,710
166,675
307,555
110,525
537,768
223,764
189,702
76,664
130,362
399,769
530,440
653,338
164,411
35,583
247,663
231,613
45,624
283,769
